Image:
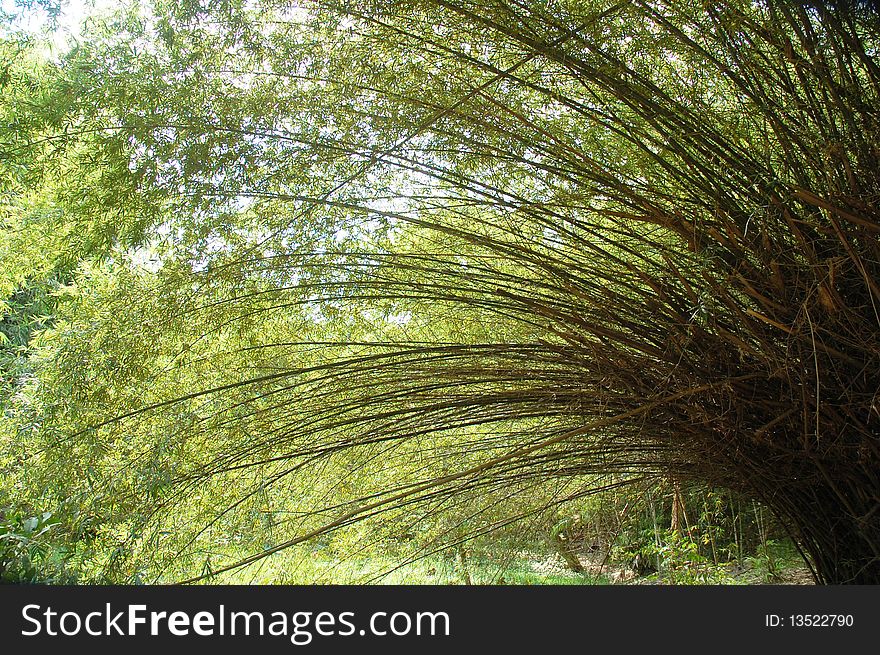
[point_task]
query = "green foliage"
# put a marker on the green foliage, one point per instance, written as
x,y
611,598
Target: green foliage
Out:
x,y
28,553
380,281
681,561
772,559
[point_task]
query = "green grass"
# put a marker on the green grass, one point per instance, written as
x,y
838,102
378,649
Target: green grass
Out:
x,y
321,567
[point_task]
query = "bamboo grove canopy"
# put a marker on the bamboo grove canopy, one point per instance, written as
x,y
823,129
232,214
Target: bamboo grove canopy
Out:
x,y
359,259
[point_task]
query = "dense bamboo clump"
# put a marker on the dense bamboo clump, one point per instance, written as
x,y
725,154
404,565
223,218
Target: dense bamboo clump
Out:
x,y
661,260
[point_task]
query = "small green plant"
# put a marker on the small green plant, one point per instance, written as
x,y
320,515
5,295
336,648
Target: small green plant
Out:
x,y
25,549
768,560
681,561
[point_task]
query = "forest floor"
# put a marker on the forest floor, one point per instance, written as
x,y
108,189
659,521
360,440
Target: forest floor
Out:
x,y
532,566
788,571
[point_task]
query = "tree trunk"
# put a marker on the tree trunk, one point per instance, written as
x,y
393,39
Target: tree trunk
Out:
x,y
562,543
679,519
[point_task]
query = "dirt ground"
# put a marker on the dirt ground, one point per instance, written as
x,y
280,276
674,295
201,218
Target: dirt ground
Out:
x,y
598,565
